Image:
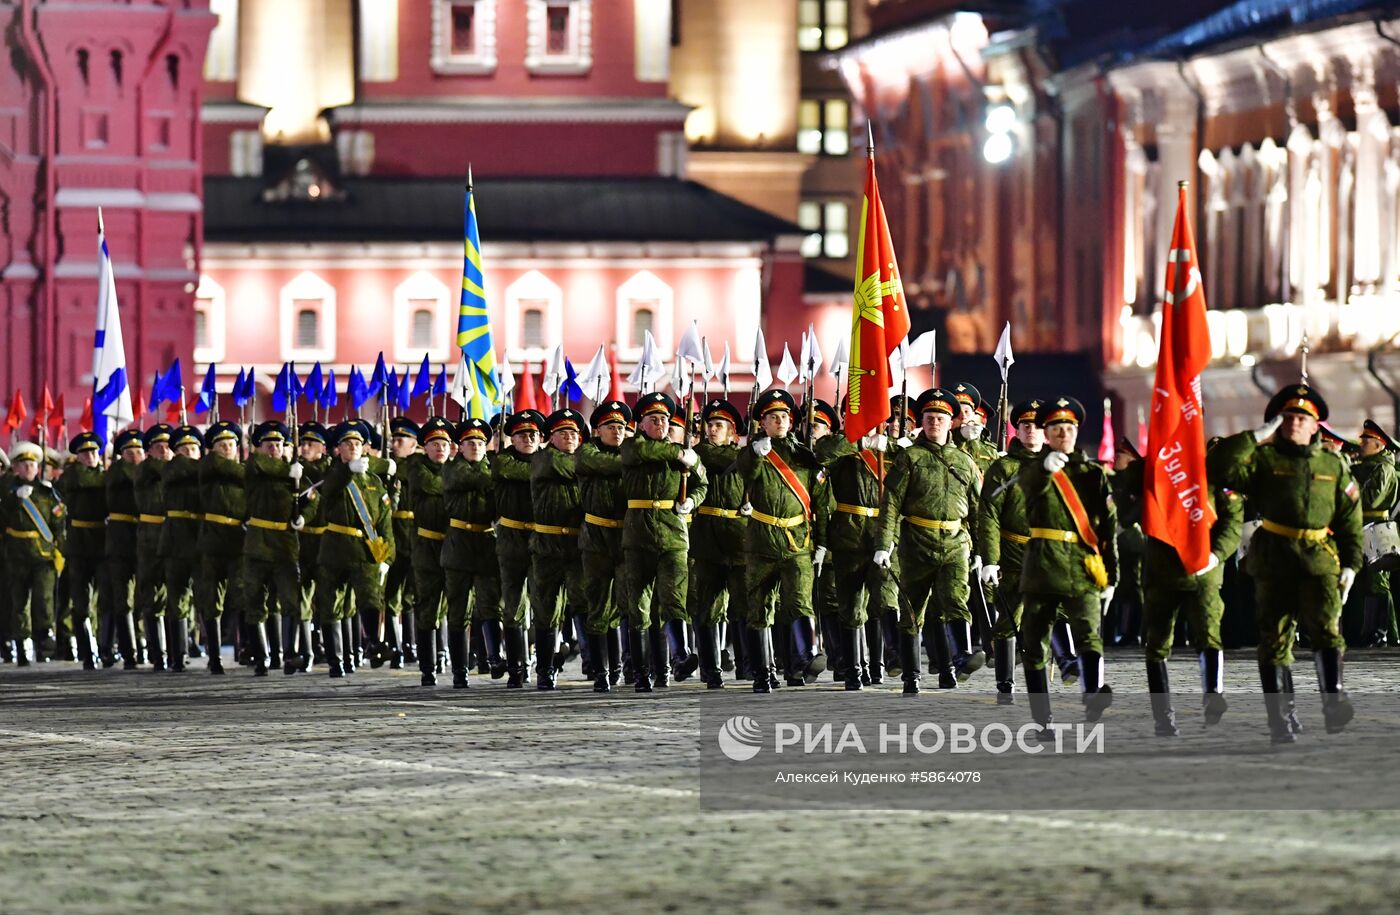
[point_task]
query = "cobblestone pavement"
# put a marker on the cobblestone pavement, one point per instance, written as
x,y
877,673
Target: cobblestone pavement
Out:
x,y
145,791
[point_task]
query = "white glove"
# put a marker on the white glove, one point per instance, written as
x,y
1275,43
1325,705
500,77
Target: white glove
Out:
x,y
689,458
882,558
991,575
393,468
686,507
1055,461
1345,581
746,509
970,431
1107,595
874,441
761,446
359,465
818,558
24,492
905,442
976,563
298,523
1212,563
1268,429
383,572
295,471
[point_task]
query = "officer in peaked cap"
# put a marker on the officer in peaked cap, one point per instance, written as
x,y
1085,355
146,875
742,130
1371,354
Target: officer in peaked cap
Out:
x,y
85,497
1376,475
556,570
32,516
225,508
150,575
510,472
271,545
115,622
422,478
179,541
300,645
717,561
599,470
471,571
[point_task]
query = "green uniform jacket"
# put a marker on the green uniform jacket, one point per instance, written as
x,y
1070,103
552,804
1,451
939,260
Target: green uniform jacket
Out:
x,y
652,471
424,481
1127,499
1003,506
511,471
932,482
469,497
1301,487
335,506
1380,486
15,518
121,500
150,501
309,541
84,493
221,494
719,538
982,452
600,489
832,447
1161,566
770,495
555,497
402,496
854,484
271,497
1054,566
179,536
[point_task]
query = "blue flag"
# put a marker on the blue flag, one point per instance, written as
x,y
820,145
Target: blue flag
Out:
x,y
286,390
391,386
378,379
238,398
172,383
474,319
424,382
207,392
440,386
403,399
314,382
329,397
157,388
357,388
572,391
250,387
111,391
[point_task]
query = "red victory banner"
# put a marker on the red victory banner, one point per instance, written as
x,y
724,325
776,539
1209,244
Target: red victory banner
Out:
x,y
1176,507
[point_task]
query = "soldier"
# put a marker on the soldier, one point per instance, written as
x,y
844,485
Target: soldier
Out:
x,y
270,561
399,590
785,539
682,661
179,539
829,445
32,515
600,540
299,645
933,487
471,572
354,507
968,427
84,492
1380,491
1126,484
716,580
556,569
655,540
1304,557
224,507
114,614
150,573
422,479
510,471
1071,562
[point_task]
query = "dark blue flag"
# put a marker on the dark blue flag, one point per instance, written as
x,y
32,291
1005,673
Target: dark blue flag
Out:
x,y
207,392
424,382
238,398
572,391
314,382
379,378
329,397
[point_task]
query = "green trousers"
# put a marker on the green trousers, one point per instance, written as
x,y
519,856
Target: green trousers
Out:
x,y
1041,610
265,581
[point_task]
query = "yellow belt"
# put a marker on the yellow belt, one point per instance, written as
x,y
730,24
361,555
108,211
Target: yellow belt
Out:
x,y
794,521
1046,533
403,516
21,535
152,519
1295,533
651,503
1380,515
1015,538
268,525
469,526
931,524
313,530
515,525
188,516
860,510
86,525
600,521
431,535
555,530
223,519
129,519
718,512
344,531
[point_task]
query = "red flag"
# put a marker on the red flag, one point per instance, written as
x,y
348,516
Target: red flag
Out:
x,y
45,407
1176,509
57,420
17,413
879,319
615,388
1142,432
85,421
525,396
1106,436
138,406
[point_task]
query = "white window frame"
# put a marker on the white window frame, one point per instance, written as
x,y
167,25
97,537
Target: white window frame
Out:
x,y
215,320
533,287
645,286
537,58
221,56
307,286
421,286
483,60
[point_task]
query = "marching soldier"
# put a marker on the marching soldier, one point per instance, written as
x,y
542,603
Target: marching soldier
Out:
x,y
399,591
1380,491
224,507
1304,557
969,424
1126,484
472,574
1071,562
676,637
510,471
150,573
84,492
932,487
270,562
114,612
32,515
829,445
422,478
785,540
298,650
179,540
556,570
717,562
600,540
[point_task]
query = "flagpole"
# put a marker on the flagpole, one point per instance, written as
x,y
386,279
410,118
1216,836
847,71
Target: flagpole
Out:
x,y
184,420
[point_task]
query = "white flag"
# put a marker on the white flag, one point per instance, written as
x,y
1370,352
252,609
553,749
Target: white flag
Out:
x,y
899,359
787,369
461,390
921,351
762,370
650,369
811,356
505,380
596,379
554,370
707,367
723,370
689,347
842,360
680,379
1003,354
111,387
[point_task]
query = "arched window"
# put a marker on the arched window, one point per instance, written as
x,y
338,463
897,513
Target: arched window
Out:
x,y
209,327
308,332
644,303
532,324
307,319
643,320
420,336
423,320
559,36
534,317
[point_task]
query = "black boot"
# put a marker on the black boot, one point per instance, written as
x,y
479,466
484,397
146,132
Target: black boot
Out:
x,y
637,643
275,631
349,653
304,644
259,649
212,639
687,661
1038,694
1271,681
82,631
771,659
440,662
807,660
1290,710
740,648
875,650
155,639
1213,685
1004,660
756,650
21,654
1336,706
1062,650
598,655
1159,688
287,633
175,633
318,644
1096,694
612,641
516,660
660,655
546,645
940,659
491,637
331,644
457,650
707,641
410,638
126,641
909,660
427,655
1375,620
967,658
849,648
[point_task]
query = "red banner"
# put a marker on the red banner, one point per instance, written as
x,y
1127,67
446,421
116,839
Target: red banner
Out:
x,y
1176,506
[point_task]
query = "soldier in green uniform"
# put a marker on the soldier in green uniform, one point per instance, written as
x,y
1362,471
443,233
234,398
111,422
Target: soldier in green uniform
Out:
x,y
600,540
788,507
829,445
84,494
399,591
179,539
150,574
715,589
32,515
1304,557
223,510
354,507
472,574
556,568
655,539
676,632
515,523
968,426
930,495
422,482
1071,562
1125,616
270,562
299,644
115,622
1380,491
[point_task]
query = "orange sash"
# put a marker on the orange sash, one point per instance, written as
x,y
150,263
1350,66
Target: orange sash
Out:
x,y
793,483
873,462
1093,564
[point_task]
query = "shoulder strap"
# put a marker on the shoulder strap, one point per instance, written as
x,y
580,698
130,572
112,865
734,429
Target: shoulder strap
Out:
x,y
793,483
1082,526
